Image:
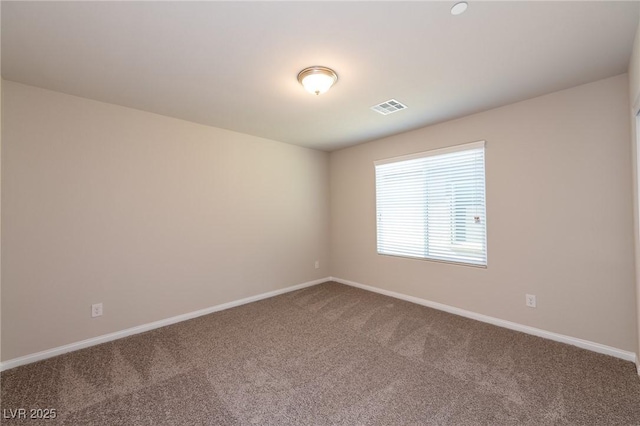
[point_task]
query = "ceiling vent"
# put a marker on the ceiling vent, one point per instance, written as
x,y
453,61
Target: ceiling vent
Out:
x,y
389,107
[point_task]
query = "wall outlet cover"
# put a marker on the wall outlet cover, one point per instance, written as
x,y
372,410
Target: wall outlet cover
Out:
x,y
530,300
96,310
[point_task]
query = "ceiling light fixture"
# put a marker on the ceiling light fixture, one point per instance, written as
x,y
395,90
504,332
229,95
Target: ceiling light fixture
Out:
x,y
317,79
459,8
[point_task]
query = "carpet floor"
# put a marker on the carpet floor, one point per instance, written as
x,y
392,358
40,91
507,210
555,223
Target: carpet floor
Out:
x,y
328,355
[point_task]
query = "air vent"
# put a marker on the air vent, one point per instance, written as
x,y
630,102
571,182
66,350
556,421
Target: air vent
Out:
x,y
389,107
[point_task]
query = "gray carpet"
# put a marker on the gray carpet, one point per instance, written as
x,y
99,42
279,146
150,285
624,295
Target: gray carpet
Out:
x,y
328,354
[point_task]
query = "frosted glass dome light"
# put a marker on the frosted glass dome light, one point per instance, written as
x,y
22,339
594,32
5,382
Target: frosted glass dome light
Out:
x,y
316,79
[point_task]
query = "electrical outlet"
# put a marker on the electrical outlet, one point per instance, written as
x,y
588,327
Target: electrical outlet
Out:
x,y
317,264
530,300
96,310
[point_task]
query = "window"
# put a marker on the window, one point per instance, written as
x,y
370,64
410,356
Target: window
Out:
x,y
431,205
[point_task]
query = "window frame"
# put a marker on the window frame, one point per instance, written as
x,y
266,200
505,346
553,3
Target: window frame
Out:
x,y
430,153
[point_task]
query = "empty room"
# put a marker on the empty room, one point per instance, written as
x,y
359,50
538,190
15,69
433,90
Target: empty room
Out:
x,y
320,213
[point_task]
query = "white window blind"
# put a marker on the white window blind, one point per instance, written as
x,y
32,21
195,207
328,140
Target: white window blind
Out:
x,y
432,205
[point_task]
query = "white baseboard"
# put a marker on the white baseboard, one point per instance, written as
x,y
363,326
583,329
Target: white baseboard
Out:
x,y
38,356
584,344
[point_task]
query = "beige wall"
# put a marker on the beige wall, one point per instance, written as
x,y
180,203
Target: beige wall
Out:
x,y
634,68
0,202
634,97
0,218
156,217
559,215
150,215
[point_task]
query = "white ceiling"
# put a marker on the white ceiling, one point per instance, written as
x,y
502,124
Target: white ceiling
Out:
x,y
234,64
